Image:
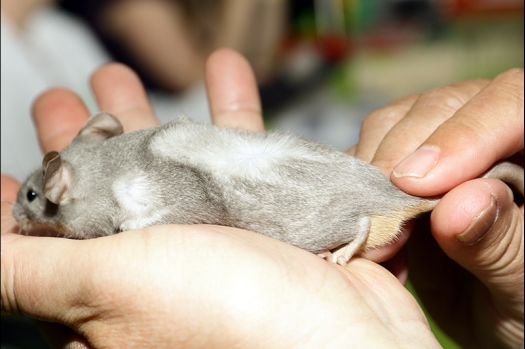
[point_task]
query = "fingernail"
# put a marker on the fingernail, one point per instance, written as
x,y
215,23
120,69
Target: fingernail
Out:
x,y
481,224
419,163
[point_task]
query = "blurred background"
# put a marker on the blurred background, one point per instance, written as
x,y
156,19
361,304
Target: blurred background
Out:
x,y
321,65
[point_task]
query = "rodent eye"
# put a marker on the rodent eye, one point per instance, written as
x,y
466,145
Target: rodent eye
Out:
x,y
31,195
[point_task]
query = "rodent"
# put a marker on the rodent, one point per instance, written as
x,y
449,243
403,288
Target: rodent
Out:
x,y
295,190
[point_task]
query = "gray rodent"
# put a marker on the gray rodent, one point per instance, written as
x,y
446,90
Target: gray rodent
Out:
x,y
295,190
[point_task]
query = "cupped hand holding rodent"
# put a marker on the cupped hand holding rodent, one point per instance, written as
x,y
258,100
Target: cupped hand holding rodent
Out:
x,y
192,286
471,281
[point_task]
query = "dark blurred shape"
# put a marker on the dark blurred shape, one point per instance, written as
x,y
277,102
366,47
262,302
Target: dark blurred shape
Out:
x,y
21,333
93,13
167,42
424,12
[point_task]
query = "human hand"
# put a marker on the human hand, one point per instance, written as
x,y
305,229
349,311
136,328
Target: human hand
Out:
x,y
192,286
471,281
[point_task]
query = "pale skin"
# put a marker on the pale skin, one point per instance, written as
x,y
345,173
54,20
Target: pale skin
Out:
x,y
170,37
478,298
208,286
166,40
19,11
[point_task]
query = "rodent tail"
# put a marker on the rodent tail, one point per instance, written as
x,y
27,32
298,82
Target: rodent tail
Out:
x,y
509,173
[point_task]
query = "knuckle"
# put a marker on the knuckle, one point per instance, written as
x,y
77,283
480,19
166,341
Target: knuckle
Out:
x,y
512,85
449,97
386,115
512,76
470,87
385,165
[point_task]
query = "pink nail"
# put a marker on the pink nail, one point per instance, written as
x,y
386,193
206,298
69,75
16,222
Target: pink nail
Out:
x,y
481,224
419,163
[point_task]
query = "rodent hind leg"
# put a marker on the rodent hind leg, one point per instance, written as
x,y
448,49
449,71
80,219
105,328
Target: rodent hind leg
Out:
x,y
343,254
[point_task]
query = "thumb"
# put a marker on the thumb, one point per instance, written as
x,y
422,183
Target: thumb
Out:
x,y
33,281
486,129
479,226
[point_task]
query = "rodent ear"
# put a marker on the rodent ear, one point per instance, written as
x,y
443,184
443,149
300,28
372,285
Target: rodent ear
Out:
x,y
57,178
99,127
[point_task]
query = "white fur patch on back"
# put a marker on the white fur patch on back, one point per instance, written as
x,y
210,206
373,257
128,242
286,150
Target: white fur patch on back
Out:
x,y
137,199
225,152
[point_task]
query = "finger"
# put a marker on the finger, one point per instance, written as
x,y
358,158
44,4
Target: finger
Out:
x,y
32,281
384,253
9,187
487,129
352,150
427,113
119,91
58,115
232,91
8,196
478,225
398,265
377,124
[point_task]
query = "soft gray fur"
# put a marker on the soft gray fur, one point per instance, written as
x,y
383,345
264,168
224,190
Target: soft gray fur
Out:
x,y
295,190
